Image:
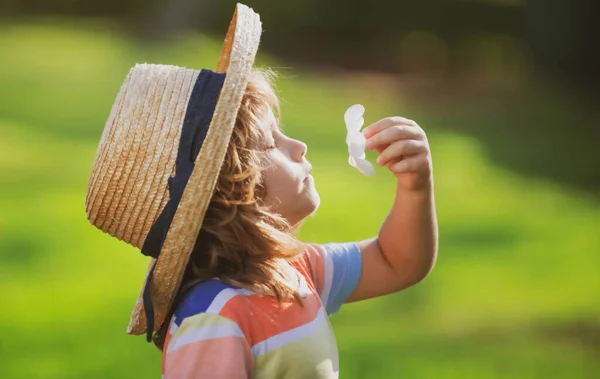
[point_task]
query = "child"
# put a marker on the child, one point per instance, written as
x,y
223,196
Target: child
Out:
x,y
253,301
221,329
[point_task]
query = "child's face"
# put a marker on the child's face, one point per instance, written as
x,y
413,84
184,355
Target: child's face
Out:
x,y
290,188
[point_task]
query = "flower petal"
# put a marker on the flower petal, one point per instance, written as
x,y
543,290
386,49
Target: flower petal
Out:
x,y
365,167
355,137
356,125
351,161
353,117
356,140
356,144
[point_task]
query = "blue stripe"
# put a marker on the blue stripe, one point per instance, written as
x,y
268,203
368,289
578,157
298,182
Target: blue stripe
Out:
x,y
198,299
347,266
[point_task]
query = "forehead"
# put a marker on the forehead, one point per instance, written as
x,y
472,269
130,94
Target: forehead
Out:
x,y
270,122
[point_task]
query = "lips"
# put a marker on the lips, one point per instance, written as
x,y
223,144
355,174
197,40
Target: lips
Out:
x,y
308,172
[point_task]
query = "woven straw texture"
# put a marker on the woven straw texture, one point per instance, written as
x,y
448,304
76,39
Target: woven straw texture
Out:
x,y
128,186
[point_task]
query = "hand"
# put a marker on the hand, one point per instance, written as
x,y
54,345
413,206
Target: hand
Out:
x,y
403,148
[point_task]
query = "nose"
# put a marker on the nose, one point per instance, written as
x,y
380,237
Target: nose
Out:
x,y
300,150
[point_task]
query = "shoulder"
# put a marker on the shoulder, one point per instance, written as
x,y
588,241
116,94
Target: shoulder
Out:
x,y
318,258
211,297
199,330
319,252
311,255
208,312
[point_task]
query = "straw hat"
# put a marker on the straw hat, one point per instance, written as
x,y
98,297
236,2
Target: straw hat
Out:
x,y
133,189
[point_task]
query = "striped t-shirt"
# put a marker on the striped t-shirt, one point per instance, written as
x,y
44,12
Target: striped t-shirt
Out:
x,y
219,331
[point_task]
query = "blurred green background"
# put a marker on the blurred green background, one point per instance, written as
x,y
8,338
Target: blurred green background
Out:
x,y
505,90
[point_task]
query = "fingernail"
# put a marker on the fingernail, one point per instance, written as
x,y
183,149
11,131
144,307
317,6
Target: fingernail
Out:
x,y
368,144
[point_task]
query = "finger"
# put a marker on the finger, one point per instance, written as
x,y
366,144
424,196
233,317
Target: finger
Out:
x,y
379,149
386,123
402,148
418,163
393,134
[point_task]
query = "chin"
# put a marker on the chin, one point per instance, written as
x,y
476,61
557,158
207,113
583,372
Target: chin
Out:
x,y
299,221
310,204
315,202
305,206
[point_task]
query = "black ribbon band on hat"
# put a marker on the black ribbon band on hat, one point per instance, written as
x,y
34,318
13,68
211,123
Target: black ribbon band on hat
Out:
x,y
198,116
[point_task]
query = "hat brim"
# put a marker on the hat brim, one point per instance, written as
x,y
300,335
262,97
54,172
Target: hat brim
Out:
x,y
236,60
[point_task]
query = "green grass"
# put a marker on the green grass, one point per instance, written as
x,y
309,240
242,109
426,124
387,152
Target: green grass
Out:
x,y
518,264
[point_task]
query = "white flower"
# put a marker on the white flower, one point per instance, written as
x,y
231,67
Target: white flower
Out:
x,y
356,140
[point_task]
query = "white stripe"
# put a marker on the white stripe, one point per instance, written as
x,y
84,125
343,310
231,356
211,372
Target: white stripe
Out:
x,y
229,329
289,336
303,289
223,297
327,279
172,325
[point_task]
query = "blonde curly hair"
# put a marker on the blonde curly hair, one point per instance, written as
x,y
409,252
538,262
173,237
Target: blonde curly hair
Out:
x,y
241,242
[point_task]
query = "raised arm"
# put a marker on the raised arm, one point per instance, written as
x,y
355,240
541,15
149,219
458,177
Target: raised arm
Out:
x,y
405,250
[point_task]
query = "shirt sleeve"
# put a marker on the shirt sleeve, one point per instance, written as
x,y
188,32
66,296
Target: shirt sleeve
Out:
x,y
335,269
206,346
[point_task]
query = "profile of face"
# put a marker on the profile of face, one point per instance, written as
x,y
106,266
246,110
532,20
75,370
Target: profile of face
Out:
x,y
290,187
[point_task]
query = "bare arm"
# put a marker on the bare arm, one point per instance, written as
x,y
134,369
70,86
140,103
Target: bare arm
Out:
x,y
405,250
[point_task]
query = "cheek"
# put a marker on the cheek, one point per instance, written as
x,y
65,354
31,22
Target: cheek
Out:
x,y
280,182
